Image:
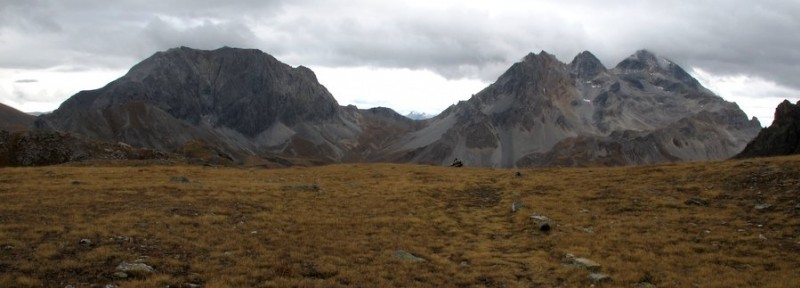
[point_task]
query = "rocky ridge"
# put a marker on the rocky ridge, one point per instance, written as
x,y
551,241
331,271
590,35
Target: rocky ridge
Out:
x,y
245,106
782,137
542,112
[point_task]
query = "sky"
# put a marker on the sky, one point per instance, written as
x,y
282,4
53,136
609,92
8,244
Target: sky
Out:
x,y
407,55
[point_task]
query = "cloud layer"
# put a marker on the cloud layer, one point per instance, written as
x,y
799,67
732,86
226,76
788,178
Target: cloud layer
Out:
x,y
456,39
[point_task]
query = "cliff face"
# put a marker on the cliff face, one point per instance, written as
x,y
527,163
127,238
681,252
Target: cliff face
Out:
x,y
780,138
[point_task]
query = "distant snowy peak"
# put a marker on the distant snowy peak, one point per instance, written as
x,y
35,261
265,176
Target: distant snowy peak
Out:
x,y
419,115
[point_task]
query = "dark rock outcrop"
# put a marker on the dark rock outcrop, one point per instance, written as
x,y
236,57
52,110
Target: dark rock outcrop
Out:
x,y
42,147
780,138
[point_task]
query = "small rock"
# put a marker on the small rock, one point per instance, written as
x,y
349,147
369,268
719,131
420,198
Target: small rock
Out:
x,y
599,278
586,264
135,268
85,242
76,182
696,202
179,179
516,206
541,222
762,237
110,286
762,206
8,247
193,285
406,256
69,286
518,174
120,275
464,264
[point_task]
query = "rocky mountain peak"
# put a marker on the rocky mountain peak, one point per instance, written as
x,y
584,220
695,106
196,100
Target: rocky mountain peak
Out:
x,y
644,60
243,101
586,66
780,138
786,113
542,57
243,89
647,64
533,69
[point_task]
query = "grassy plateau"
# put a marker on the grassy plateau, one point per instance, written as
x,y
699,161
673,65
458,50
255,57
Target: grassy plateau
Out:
x,y
702,224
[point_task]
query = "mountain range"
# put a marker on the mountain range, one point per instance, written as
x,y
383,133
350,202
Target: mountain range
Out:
x,y
244,106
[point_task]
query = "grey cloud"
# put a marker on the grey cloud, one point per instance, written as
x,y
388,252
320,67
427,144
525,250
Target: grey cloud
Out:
x,y
454,43
162,35
28,16
454,40
26,81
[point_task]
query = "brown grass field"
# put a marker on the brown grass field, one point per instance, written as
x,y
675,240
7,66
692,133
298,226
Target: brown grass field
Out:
x,y
702,224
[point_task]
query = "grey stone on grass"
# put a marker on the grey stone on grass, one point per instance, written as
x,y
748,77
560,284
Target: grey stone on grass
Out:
x,y
599,278
406,256
586,264
135,268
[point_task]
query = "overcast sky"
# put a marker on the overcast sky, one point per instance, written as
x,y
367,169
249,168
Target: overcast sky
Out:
x,y
406,55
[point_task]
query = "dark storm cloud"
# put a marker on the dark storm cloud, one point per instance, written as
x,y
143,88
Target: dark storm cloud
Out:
x,y
456,40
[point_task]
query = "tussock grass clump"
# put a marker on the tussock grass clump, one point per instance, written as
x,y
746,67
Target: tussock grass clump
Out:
x,y
708,224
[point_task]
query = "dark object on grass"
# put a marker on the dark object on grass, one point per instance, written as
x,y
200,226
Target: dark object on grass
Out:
x,y
696,201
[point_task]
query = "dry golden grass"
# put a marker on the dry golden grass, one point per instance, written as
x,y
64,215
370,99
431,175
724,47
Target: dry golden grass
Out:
x,y
340,225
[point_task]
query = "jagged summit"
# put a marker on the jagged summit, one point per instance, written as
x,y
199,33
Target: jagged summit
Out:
x,y
782,137
544,112
786,113
644,60
586,66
